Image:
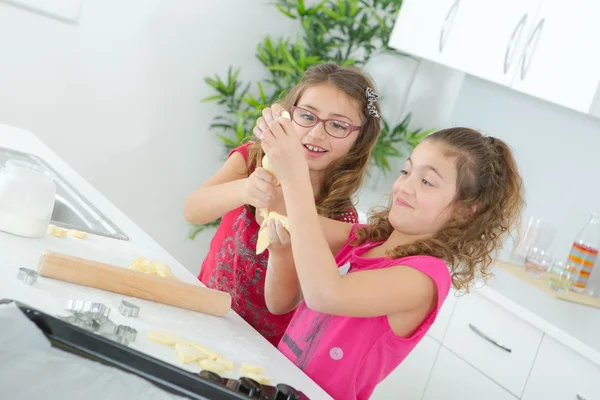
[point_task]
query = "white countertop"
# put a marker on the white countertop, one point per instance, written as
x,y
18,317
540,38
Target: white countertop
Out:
x,y
231,335
574,325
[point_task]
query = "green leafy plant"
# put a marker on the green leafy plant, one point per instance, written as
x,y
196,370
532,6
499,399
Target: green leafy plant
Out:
x,y
393,141
347,32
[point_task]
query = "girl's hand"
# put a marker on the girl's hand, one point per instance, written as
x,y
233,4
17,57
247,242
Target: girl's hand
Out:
x,y
282,145
269,114
260,189
279,237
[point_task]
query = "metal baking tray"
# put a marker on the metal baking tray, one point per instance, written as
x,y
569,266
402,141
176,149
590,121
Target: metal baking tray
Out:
x,y
168,377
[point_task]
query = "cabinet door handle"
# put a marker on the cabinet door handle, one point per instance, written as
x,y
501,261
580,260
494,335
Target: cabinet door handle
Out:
x,y
450,16
516,34
580,397
531,43
489,339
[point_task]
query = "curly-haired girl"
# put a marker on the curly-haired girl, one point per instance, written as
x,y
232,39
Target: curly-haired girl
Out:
x,y
456,197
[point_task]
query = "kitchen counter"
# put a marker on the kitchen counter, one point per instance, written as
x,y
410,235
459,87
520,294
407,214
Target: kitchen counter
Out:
x,y
574,325
231,336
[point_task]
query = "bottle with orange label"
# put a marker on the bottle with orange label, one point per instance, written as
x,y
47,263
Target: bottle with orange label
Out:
x,y
584,253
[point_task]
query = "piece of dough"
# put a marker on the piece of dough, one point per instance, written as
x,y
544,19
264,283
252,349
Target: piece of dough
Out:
x,y
265,161
56,231
162,269
147,266
251,368
263,235
164,337
263,238
228,364
188,354
210,354
267,167
263,380
140,264
212,366
78,234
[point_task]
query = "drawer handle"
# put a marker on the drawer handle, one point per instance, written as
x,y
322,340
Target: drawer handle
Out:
x,y
528,53
489,339
516,34
580,397
451,14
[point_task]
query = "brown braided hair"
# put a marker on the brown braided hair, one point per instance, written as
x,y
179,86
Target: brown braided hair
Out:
x,y
488,178
343,177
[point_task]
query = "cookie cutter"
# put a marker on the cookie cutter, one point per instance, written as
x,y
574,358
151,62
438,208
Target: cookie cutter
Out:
x,y
126,332
121,334
28,276
89,310
129,309
107,327
116,338
87,324
83,306
94,317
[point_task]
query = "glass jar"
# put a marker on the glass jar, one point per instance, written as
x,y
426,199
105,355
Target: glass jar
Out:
x,y
560,278
537,262
27,195
584,253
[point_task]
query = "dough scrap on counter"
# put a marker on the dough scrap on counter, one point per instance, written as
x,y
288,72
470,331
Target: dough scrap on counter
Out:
x,y
210,354
164,337
188,354
56,231
263,236
251,368
212,366
78,234
263,380
228,364
140,264
147,266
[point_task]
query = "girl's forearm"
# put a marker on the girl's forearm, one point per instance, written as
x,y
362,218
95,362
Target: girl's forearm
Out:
x,y
208,203
282,289
315,264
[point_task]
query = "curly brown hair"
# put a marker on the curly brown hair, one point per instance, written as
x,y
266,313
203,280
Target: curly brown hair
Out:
x,y
343,177
489,180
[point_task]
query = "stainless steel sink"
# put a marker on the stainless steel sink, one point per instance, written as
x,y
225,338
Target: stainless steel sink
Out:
x,y
71,210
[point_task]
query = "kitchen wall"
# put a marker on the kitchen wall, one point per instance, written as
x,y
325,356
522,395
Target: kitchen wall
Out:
x,y
118,96
557,151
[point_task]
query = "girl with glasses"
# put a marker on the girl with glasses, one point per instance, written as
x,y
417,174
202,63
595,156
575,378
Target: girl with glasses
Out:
x,y
334,114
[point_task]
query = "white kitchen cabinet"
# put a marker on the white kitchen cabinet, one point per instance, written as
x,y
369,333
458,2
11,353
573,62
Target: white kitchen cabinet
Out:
x,y
543,48
425,27
438,329
408,380
493,340
561,62
489,36
454,379
560,373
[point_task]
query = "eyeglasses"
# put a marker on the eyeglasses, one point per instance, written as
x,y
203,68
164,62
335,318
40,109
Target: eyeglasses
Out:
x,y
335,128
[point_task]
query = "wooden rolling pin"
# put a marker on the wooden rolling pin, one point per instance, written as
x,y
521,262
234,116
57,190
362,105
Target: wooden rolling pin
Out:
x,y
133,283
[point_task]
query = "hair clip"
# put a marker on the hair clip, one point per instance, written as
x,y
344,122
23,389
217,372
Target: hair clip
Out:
x,y
491,139
371,99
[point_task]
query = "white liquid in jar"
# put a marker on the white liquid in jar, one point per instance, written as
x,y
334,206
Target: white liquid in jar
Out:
x,y
23,224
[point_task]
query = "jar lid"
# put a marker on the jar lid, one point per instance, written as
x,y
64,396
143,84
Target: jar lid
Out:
x,y
20,166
